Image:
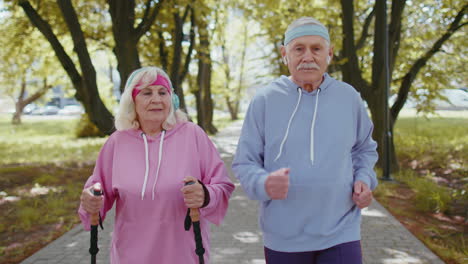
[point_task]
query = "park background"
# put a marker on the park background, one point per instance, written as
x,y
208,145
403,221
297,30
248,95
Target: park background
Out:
x,y
63,65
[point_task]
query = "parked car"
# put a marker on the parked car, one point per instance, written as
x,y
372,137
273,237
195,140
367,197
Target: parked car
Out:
x,y
457,99
27,110
50,110
45,110
71,110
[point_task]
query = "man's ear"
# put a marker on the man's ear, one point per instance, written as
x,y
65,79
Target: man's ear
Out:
x,y
283,55
330,55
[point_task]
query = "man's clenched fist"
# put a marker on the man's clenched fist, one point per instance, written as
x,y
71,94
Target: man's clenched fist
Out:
x,y
277,184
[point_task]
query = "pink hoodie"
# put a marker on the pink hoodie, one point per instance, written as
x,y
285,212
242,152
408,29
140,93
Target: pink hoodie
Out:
x,y
151,229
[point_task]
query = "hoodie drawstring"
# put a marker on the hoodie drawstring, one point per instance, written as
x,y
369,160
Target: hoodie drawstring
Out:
x,y
312,128
159,160
147,163
146,167
289,124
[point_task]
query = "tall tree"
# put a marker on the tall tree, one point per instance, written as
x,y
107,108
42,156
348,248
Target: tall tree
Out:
x,y
203,97
373,90
85,82
25,76
179,69
233,39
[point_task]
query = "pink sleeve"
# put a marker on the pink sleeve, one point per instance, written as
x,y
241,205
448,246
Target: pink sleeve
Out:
x,y
102,174
215,178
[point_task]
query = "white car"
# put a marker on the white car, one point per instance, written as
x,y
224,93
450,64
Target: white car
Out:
x,y
71,110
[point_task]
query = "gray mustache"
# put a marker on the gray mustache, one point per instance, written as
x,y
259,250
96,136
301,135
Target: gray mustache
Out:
x,y
311,65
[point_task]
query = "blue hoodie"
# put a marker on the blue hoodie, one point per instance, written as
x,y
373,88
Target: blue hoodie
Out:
x,y
325,137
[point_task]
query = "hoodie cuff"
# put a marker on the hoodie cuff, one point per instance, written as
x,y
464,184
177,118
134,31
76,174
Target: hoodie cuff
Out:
x,y
206,195
85,219
260,188
365,179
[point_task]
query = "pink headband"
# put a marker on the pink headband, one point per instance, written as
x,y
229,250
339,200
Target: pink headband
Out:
x,y
159,81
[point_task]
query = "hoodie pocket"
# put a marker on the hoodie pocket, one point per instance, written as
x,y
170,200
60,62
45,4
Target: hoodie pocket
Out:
x,y
316,209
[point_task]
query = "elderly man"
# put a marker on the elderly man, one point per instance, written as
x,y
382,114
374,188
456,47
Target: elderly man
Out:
x,y
307,155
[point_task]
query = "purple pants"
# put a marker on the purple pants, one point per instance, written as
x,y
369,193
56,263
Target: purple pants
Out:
x,y
346,253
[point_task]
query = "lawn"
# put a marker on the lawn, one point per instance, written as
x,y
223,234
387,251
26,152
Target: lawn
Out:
x,y
43,168
430,193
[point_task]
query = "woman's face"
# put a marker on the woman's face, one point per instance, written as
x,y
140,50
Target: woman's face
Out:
x,y
152,105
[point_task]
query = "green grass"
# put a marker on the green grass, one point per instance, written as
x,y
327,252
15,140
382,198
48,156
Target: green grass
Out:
x,y
45,141
429,149
442,142
436,147
429,196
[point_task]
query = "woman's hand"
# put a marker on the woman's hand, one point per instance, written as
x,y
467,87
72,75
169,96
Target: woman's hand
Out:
x,y
90,203
193,194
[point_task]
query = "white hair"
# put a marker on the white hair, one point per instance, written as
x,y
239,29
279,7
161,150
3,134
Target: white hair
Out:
x,y
306,21
126,117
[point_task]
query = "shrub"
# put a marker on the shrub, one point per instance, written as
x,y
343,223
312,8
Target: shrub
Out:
x,y
86,128
429,196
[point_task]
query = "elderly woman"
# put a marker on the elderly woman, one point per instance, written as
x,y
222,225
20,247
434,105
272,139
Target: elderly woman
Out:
x,y
143,166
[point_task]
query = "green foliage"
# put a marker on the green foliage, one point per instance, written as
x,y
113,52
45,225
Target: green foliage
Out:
x,y
85,128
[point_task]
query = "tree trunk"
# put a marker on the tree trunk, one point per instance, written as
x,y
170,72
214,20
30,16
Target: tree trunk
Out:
x,y
178,68
380,81
377,115
373,94
19,105
95,108
126,36
125,50
204,101
22,102
232,107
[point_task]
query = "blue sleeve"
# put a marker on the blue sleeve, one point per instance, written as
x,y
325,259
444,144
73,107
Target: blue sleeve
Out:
x,y
364,151
248,161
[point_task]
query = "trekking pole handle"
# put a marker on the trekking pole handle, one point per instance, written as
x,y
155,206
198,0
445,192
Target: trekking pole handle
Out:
x,y
97,191
194,213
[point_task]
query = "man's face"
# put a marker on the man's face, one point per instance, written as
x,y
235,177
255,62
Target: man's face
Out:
x,y
307,59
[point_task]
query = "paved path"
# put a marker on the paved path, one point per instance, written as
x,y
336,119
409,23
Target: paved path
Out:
x,y
239,241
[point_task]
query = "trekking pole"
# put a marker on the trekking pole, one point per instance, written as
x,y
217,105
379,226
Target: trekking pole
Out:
x,y
193,217
95,221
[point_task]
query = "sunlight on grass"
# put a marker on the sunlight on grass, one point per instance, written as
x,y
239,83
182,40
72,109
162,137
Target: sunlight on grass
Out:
x,y
442,141
50,141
